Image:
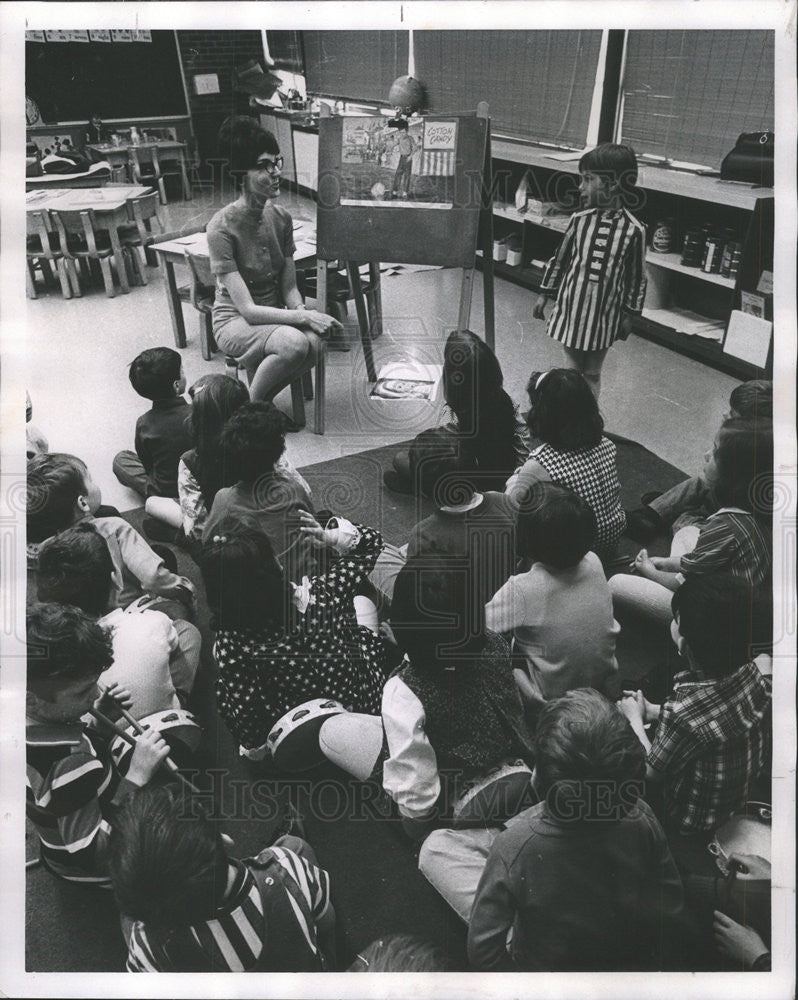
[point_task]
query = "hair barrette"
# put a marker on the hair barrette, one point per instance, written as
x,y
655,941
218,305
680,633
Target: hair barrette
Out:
x,y
540,380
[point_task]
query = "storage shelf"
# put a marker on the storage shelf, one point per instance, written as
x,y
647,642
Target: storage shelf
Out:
x,y
673,262
557,222
682,183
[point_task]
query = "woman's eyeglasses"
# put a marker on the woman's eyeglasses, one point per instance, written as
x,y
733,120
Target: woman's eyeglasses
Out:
x,y
271,166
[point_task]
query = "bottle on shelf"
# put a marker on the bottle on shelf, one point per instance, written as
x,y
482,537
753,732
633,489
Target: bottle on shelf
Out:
x,y
134,136
664,236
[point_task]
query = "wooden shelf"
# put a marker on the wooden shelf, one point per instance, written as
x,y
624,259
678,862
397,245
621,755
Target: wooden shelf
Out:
x,y
683,183
557,222
673,262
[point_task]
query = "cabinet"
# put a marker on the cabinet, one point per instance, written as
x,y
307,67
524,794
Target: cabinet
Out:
x,y
686,309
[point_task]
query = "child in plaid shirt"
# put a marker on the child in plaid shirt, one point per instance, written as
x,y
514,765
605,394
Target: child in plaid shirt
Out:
x,y
713,734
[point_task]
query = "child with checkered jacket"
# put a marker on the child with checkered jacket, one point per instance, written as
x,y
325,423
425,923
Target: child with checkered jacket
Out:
x,y
572,451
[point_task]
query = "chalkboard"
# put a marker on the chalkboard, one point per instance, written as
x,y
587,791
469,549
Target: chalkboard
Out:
x,y
364,215
70,81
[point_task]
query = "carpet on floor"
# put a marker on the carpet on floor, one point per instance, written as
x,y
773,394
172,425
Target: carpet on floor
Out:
x,y
377,888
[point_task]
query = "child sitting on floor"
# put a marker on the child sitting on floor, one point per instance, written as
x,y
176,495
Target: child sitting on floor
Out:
x,y
154,658
735,539
584,878
713,734
560,610
162,432
61,493
252,441
204,468
450,714
694,500
564,416
279,644
471,529
73,787
187,906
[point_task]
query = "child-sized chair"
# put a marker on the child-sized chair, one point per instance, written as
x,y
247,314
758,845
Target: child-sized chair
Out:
x,y
202,296
139,233
43,251
82,240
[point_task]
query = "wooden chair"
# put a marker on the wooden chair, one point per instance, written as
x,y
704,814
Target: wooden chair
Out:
x,y
139,232
84,242
203,292
145,168
43,250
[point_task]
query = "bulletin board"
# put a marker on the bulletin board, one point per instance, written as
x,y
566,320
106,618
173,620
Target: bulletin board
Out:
x,y
436,221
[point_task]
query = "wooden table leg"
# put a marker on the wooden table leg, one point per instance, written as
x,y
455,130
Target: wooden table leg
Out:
x,y
186,185
362,318
375,300
173,301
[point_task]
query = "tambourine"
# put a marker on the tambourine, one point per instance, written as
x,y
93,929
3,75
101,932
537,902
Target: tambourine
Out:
x,y
747,835
294,739
178,728
495,796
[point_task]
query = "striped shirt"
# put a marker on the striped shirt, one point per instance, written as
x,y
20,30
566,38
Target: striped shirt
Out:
x,y
266,923
713,738
72,787
598,274
732,540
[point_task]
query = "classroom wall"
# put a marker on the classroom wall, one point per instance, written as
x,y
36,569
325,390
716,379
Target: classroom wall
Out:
x,y
219,52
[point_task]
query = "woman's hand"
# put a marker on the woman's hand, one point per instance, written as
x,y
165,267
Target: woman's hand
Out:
x,y
319,322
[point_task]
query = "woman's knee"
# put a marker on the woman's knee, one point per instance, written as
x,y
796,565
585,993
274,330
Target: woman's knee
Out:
x,y
291,346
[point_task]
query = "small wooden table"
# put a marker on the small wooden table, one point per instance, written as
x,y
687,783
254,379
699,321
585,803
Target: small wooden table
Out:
x,y
109,203
171,252
119,156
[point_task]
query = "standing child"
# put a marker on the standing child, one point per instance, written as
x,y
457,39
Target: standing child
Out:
x,y
598,272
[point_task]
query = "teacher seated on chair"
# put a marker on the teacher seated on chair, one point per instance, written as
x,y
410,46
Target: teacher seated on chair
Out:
x,y
259,317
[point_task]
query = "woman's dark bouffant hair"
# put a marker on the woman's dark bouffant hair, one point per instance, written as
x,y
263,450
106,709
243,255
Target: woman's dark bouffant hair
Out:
x,y
589,763
215,398
744,465
244,583
241,141
168,864
563,411
473,390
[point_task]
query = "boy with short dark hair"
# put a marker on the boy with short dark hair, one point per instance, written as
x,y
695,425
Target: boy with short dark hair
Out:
x,y
154,658
713,735
162,433
60,493
73,787
253,439
195,909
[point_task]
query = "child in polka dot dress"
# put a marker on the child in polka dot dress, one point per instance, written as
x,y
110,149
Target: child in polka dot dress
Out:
x,y
279,644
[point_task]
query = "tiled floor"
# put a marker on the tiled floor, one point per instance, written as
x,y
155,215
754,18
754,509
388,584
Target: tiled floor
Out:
x,y
78,352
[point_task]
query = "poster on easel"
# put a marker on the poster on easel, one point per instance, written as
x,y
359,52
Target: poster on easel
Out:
x,y
398,163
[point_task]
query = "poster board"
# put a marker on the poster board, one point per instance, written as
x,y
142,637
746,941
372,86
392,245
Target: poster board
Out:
x,y
438,221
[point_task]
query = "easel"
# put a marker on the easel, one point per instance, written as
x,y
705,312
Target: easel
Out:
x,y
409,235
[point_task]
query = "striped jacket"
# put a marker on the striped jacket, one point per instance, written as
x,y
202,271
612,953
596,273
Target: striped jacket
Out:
x,y
267,923
598,274
72,789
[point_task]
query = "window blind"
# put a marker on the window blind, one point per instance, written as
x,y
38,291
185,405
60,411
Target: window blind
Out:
x,y
357,65
538,84
285,48
687,95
